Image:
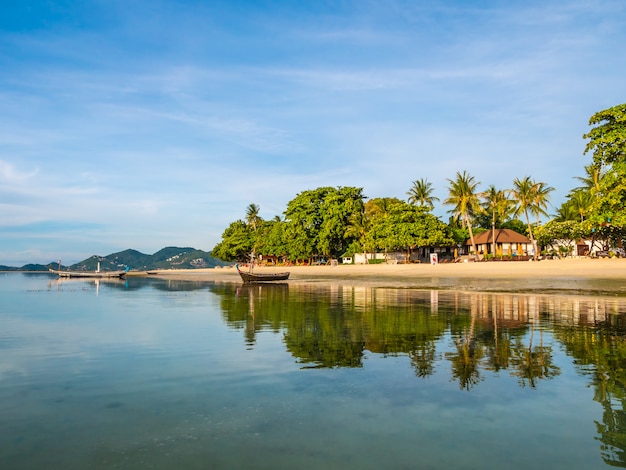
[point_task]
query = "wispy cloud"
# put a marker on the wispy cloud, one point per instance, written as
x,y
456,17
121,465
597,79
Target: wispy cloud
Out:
x,y
157,125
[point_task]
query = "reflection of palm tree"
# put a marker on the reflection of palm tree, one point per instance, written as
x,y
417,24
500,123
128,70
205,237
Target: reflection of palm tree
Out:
x,y
612,432
499,351
533,363
465,362
423,358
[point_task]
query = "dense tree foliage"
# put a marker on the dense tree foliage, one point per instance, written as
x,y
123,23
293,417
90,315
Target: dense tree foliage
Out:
x,y
607,143
330,222
404,226
237,242
317,222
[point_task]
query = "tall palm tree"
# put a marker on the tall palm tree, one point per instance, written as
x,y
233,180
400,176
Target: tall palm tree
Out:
x,y
591,180
252,216
421,194
541,199
464,198
497,203
253,220
531,198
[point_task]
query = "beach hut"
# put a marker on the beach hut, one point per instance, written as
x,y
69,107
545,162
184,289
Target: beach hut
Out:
x,y
507,241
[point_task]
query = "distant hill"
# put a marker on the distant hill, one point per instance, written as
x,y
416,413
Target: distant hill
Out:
x,y
167,258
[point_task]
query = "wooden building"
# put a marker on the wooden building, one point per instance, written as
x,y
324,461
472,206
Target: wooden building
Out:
x,y
508,243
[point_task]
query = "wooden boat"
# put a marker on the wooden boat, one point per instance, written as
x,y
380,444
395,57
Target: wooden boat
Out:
x,y
261,277
90,274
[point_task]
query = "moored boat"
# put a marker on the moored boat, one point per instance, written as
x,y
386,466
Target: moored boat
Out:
x,y
89,274
262,277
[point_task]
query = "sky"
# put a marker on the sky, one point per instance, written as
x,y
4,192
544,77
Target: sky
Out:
x,y
155,123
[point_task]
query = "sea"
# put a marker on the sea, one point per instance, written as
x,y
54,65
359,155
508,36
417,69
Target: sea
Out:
x,y
160,374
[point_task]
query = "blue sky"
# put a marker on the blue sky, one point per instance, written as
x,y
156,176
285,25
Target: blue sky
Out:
x,y
147,124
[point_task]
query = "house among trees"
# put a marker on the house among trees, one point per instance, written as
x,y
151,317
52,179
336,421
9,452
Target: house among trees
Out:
x,y
508,243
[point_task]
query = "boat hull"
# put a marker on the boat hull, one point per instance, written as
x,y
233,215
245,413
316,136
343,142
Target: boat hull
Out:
x,y
90,274
262,277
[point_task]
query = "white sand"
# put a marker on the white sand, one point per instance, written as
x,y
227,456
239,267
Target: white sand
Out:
x,y
572,275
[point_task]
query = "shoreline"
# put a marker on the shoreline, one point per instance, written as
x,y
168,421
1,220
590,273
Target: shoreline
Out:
x,y
570,275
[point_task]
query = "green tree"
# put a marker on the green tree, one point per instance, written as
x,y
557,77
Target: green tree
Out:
x,y
252,216
566,232
464,198
404,227
358,227
497,204
270,238
581,203
236,244
591,181
303,219
531,198
421,194
337,209
607,143
317,221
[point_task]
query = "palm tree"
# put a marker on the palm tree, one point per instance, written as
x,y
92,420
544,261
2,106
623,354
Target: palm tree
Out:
x,y
420,194
497,203
531,198
358,226
252,216
541,199
581,202
566,212
465,200
253,220
591,182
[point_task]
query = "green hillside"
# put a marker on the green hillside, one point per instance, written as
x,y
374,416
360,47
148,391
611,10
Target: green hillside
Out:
x,y
166,258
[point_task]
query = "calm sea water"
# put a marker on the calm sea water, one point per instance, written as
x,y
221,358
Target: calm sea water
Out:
x,y
148,373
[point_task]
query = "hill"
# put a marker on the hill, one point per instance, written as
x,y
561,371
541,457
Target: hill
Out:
x,y
166,258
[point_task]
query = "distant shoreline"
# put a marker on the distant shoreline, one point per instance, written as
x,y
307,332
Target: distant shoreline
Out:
x,y
570,275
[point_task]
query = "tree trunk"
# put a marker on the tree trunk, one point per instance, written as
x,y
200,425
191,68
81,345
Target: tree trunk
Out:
x,y
532,239
469,227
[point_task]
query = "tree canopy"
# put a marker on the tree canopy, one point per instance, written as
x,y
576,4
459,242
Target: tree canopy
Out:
x,y
330,222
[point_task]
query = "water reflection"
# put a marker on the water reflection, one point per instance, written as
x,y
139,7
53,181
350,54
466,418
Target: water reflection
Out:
x,y
334,326
474,333
472,337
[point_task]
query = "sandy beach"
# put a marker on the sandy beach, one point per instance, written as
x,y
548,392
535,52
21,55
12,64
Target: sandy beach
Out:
x,y
574,275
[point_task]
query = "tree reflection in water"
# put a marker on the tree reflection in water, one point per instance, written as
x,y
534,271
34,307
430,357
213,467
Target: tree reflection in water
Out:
x,y
475,333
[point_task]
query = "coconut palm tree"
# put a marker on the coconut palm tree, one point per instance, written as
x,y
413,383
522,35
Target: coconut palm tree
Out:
x,y
358,226
497,203
566,212
581,202
421,194
252,216
541,199
531,198
591,180
464,198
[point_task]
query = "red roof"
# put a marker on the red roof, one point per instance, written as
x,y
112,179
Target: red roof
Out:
x,y
503,235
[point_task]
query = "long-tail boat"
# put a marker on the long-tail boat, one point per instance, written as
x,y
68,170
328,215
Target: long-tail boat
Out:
x,y
261,277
